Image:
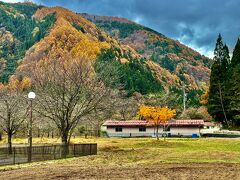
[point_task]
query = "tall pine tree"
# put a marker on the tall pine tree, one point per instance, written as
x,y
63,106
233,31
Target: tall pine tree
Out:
x,y
233,86
217,102
226,59
236,55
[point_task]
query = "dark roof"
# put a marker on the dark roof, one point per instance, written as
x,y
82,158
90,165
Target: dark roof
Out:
x,y
145,123
209,124
126,123
186,122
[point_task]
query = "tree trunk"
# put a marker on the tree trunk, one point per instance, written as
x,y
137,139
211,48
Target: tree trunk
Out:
x,y
99,133
65,144
64,139
157,133
52,134
98,129
9,143
38,133
0,136
223,109
164,132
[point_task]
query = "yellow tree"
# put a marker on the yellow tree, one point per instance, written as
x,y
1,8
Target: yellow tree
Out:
x,y
157,115
204,98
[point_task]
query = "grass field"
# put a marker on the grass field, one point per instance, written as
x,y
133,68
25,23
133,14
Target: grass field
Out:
x,y
126,158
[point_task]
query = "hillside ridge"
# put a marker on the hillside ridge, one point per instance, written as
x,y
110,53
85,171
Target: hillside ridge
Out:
x,y
143,55
155,46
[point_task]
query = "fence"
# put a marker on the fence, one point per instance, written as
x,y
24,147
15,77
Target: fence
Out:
x,y
41,153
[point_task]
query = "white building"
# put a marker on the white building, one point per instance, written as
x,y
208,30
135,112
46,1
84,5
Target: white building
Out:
x,y
141,128
210,127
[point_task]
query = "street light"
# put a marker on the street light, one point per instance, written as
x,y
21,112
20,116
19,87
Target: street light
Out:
x,y
31,96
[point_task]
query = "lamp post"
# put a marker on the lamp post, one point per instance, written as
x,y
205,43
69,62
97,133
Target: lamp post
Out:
x,y
31,96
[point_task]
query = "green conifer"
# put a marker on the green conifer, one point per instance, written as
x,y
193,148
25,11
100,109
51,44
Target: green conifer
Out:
x,y
236,55
233,87
217,101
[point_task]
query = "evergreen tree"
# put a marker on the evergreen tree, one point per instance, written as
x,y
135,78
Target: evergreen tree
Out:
x,y
236,55
217,90
218,52
233,86
226,58
234,97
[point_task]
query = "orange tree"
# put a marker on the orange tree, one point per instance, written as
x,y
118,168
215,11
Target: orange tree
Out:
x,y
156,115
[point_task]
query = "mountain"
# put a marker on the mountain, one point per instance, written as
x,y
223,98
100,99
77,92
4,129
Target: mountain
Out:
x,y
19,32
168,56
147,61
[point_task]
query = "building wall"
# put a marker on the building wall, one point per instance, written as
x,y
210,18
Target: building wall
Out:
x,y
210,129
133,132
184,131
151,131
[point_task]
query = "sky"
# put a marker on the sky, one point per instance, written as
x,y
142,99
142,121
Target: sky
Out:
x,y
195,23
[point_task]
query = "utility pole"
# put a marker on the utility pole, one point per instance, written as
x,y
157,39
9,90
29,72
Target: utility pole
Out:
x,y
184,99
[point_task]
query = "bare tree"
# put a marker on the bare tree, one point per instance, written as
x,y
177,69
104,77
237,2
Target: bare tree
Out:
x,y
13,112
127,107
68,90
43,126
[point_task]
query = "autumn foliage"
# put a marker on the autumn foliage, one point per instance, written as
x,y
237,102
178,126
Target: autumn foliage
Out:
x,y
172,62
65,38
156,115
16,85
204,98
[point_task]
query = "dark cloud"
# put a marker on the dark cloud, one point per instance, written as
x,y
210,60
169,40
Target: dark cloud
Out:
x,y
194,22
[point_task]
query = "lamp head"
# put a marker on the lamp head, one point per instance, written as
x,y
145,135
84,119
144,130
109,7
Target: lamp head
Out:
x,y
31,95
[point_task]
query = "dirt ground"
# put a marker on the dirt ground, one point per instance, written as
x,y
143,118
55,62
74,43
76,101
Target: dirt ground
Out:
x,y
219,171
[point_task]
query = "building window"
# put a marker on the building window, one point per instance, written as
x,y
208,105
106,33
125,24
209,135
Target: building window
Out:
x,y
118,129
142,129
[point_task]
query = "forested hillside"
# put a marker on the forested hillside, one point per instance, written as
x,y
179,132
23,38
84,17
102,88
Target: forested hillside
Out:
x,y
172,61
143,60
19,32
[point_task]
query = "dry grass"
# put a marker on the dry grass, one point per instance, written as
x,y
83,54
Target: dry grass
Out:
x,y
124,158
150,151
